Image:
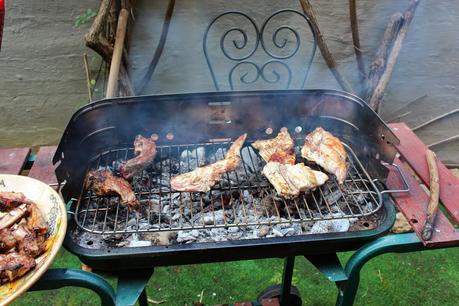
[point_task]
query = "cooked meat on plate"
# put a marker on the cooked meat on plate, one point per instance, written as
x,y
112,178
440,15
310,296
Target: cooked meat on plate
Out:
x,y
14,265
145,152
327,151
280,149
22,235
203,178
104,183
290,180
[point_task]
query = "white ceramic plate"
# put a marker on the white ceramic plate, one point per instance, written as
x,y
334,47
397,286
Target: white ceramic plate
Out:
x,y
53,209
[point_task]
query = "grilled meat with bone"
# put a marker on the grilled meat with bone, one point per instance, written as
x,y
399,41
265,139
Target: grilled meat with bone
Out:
x,y
145,152
14,265
104,183
280,149
327,151
11,200
203,178
290,180
13,216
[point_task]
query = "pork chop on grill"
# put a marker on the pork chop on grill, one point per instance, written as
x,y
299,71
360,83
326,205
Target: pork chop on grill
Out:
x,y
104,183
327,151
14,265
145,152
290,180
280,149
203,178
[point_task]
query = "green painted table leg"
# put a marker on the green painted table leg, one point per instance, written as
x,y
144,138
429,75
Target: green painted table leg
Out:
x,y
400,243
59,278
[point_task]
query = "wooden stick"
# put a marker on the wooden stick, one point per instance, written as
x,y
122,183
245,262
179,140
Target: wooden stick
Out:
x,y
88,76
356,41
432,208
395,115
378,93
452,112
443,141
379,64
117,53
95,38
330,61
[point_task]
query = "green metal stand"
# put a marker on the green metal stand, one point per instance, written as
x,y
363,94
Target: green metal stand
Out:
x,y
400,243
131,287
59,278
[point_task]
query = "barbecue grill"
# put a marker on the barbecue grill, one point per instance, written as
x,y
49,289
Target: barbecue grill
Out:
x,y
196,129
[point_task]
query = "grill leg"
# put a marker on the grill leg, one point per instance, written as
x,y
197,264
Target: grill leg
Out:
x,y
289,264
143,298
131,287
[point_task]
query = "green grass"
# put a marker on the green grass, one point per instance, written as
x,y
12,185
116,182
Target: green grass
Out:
x,y
427,278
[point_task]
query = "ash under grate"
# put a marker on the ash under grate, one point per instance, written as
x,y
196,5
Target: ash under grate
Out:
x,y
243,199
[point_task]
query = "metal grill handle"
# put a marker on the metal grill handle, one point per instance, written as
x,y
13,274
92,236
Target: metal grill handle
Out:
x,y
405,183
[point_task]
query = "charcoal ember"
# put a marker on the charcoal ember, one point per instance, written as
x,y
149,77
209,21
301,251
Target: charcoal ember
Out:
x,y
277,232
330,226
263,231
208,218
160,238
187,236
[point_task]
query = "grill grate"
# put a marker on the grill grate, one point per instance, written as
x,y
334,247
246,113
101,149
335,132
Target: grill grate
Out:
x,y
242,198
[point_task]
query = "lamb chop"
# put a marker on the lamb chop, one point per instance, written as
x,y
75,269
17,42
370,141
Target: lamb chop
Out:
x,y
203,178
14,265
11,200
290,180
104,183
280,149
145,151
327,151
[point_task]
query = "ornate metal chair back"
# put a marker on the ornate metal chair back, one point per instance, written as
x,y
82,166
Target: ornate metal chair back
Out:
x,y
274,54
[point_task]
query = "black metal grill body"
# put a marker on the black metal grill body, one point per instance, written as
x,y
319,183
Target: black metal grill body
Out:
x,y
111,125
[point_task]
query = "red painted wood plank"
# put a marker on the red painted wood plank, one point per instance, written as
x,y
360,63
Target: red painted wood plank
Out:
x,y
43,169
13,160
413,205
412,149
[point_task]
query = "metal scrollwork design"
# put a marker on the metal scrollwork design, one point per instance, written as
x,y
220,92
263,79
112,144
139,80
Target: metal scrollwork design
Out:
x,y
283,45
253,75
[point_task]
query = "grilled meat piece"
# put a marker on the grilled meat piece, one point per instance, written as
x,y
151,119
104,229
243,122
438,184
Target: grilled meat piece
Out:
x,y
14,265
145,152
7,240
11,200
104,183
280,149
35,220
290,180
28,242
203,178
327,151
13,216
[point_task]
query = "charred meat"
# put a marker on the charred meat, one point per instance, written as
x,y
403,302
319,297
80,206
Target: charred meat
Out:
x,y
280,149
104,183
290,180
145,152
14,265
327,151
203,178
11,200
